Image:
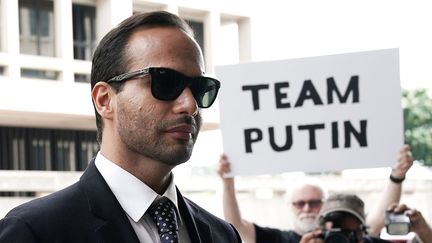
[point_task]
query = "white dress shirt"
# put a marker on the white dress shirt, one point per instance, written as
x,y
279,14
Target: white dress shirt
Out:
x,y
135,197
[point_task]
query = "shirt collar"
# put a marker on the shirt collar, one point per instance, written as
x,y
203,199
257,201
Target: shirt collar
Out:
x,y
134,196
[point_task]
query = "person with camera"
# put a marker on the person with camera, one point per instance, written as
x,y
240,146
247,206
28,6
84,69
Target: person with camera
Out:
x,y
416,221
341,220
305,204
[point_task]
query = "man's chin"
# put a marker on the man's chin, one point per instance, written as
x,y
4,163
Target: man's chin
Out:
x,y
303,229
306,224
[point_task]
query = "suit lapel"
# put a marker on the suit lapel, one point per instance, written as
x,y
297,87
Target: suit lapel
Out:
x,y
111,223
199,231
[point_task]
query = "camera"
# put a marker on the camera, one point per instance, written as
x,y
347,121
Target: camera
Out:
x,y
397,224
338,235
336,231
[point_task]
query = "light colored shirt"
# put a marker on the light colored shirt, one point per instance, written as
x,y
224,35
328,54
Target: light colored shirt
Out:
x,y
135,197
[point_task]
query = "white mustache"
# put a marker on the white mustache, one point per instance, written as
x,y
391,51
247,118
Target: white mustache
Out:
x,y
308,216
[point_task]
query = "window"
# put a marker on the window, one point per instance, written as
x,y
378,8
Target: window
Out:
x,y
36,21
82,78
84,31
41,74
46,149
198,28
40,156
88,150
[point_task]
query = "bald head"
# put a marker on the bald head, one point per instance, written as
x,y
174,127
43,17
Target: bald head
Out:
x,y
307,192
306,201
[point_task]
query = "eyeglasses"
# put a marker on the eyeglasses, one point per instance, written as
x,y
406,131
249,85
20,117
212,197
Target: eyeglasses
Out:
x,y
167,84
312,203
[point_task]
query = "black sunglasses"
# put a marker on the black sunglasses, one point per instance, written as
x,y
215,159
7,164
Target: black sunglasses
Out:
x,y
312,203
167,84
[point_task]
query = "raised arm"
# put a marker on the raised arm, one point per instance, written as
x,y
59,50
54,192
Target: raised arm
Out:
x,y
230,206
392,192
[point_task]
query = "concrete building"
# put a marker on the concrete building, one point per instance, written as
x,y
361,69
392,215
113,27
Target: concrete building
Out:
x,y
47,127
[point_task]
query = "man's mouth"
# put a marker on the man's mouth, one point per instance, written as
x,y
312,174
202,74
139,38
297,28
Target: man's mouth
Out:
x,y
182,132
313,217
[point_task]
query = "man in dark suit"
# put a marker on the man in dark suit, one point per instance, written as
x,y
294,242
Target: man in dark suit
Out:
x,y
147,89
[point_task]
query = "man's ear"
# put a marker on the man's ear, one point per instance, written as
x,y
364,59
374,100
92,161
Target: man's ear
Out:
x,y
102,96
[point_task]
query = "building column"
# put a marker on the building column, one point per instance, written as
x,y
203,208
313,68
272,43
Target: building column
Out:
x,y
212,24
10,37
64,37
171,8
245,39
109,13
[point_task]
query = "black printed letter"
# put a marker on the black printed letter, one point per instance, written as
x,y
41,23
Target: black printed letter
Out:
x,y
352,88
288,141
249,140
279,95
254,89
360,136
311,128
308,91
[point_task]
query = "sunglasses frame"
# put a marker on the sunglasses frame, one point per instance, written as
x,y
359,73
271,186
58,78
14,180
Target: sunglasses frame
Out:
x,y
186,81
315,203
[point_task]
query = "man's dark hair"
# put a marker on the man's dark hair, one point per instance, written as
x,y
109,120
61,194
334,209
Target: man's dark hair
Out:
x,y
110,58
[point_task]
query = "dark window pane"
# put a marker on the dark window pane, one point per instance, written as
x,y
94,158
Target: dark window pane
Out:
x,y
198,28
36,22
84,31
40,74
17,194
40,149
33,13
89,149
46,149
64,151
82,78
44,22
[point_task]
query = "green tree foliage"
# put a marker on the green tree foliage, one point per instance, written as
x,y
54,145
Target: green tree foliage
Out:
x,y
417,111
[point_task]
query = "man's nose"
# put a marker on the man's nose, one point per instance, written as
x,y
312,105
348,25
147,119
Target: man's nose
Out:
x,y
307,207
186,103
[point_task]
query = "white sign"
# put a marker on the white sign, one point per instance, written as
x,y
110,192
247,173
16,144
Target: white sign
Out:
x,y
313,114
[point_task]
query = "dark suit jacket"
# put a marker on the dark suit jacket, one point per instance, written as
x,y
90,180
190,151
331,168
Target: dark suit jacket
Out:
x,y
88,211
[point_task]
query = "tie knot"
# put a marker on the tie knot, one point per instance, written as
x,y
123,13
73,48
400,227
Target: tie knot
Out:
x,y
163,214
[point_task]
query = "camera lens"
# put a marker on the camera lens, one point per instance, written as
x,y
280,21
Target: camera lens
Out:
x,y
337,238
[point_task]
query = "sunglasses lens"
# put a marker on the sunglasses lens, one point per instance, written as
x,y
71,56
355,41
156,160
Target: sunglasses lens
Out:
x,y
315,203
299,204
166,84
205,91
311,203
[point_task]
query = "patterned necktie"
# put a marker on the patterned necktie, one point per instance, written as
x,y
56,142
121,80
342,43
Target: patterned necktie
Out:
x,y
164,215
